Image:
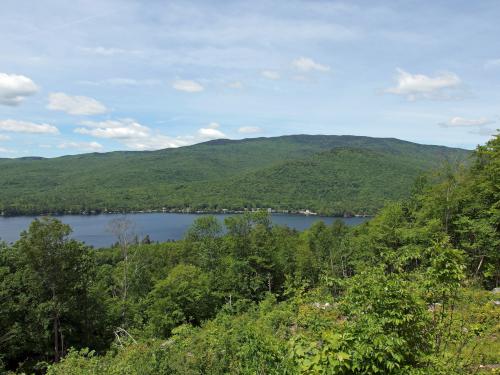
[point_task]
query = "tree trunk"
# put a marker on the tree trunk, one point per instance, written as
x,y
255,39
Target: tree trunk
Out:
x,y
479,266
56,324
57,355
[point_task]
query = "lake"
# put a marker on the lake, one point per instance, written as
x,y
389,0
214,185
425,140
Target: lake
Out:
x,y
93,229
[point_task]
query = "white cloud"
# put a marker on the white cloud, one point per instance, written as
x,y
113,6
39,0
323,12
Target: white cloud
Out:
x,y
4,137
131,134
85,146
455,122
187,86
210,133
157,142
414,86
115,129
15,88
235,85
270,74
75,105
249,130
27,127
140,137
306,64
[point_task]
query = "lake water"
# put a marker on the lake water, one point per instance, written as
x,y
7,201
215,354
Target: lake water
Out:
x,y
94,229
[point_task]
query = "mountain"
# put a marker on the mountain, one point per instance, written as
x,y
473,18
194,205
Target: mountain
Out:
x,y
325,173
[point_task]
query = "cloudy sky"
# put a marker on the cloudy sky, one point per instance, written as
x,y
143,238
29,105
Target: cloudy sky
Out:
x,y
101,75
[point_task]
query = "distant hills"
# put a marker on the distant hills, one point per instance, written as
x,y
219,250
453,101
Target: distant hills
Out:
x,y
332,175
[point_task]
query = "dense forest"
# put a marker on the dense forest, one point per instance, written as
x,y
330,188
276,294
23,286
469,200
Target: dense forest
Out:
x,y
409,292
331,175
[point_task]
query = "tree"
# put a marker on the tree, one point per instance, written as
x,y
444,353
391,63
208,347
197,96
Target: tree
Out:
x,y
204,236
478,223
183,297
239,228
61,267
124,230
204,228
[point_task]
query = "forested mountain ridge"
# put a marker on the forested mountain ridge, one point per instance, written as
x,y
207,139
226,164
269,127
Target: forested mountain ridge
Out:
x,y
329,174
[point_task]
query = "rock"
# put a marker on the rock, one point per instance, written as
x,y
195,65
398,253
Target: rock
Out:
x,y
323,306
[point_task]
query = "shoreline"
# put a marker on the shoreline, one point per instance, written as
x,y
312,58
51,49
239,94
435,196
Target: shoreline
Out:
x,y
189,212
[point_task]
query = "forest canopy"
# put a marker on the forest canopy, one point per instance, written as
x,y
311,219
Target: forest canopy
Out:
x,y
330,175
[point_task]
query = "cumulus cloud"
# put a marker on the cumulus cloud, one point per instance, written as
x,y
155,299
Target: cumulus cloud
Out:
x,y
249,130
187,86
270,74
4,137
75,105
140,137
158,142
131,134
457,121
210,133
115,129
415,86
15,88
306,64
85,146
27,127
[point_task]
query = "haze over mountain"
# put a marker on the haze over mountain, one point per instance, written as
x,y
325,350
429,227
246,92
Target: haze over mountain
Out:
x,y
325,173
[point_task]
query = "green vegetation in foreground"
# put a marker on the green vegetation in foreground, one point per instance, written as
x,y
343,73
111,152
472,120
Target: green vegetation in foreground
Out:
x,y
332,175
408,292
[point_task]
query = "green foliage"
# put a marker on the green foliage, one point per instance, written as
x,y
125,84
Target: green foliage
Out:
x,y
247,343
183,297
49,301
400,294
382,326
328,174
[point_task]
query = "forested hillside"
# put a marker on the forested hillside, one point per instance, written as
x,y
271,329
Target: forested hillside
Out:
x,y
408,292
333,175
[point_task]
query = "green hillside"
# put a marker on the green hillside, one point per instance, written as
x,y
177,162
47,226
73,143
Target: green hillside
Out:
x,y
329,174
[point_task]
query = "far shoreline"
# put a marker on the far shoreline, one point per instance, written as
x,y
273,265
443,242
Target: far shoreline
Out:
x,y
189,212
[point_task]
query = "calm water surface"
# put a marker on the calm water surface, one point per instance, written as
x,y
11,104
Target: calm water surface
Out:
x,y
94,230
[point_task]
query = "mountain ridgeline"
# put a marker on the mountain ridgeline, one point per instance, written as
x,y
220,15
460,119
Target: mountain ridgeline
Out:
x,y
332,175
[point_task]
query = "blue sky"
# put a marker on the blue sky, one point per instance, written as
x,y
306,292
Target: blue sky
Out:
x,y
101,75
